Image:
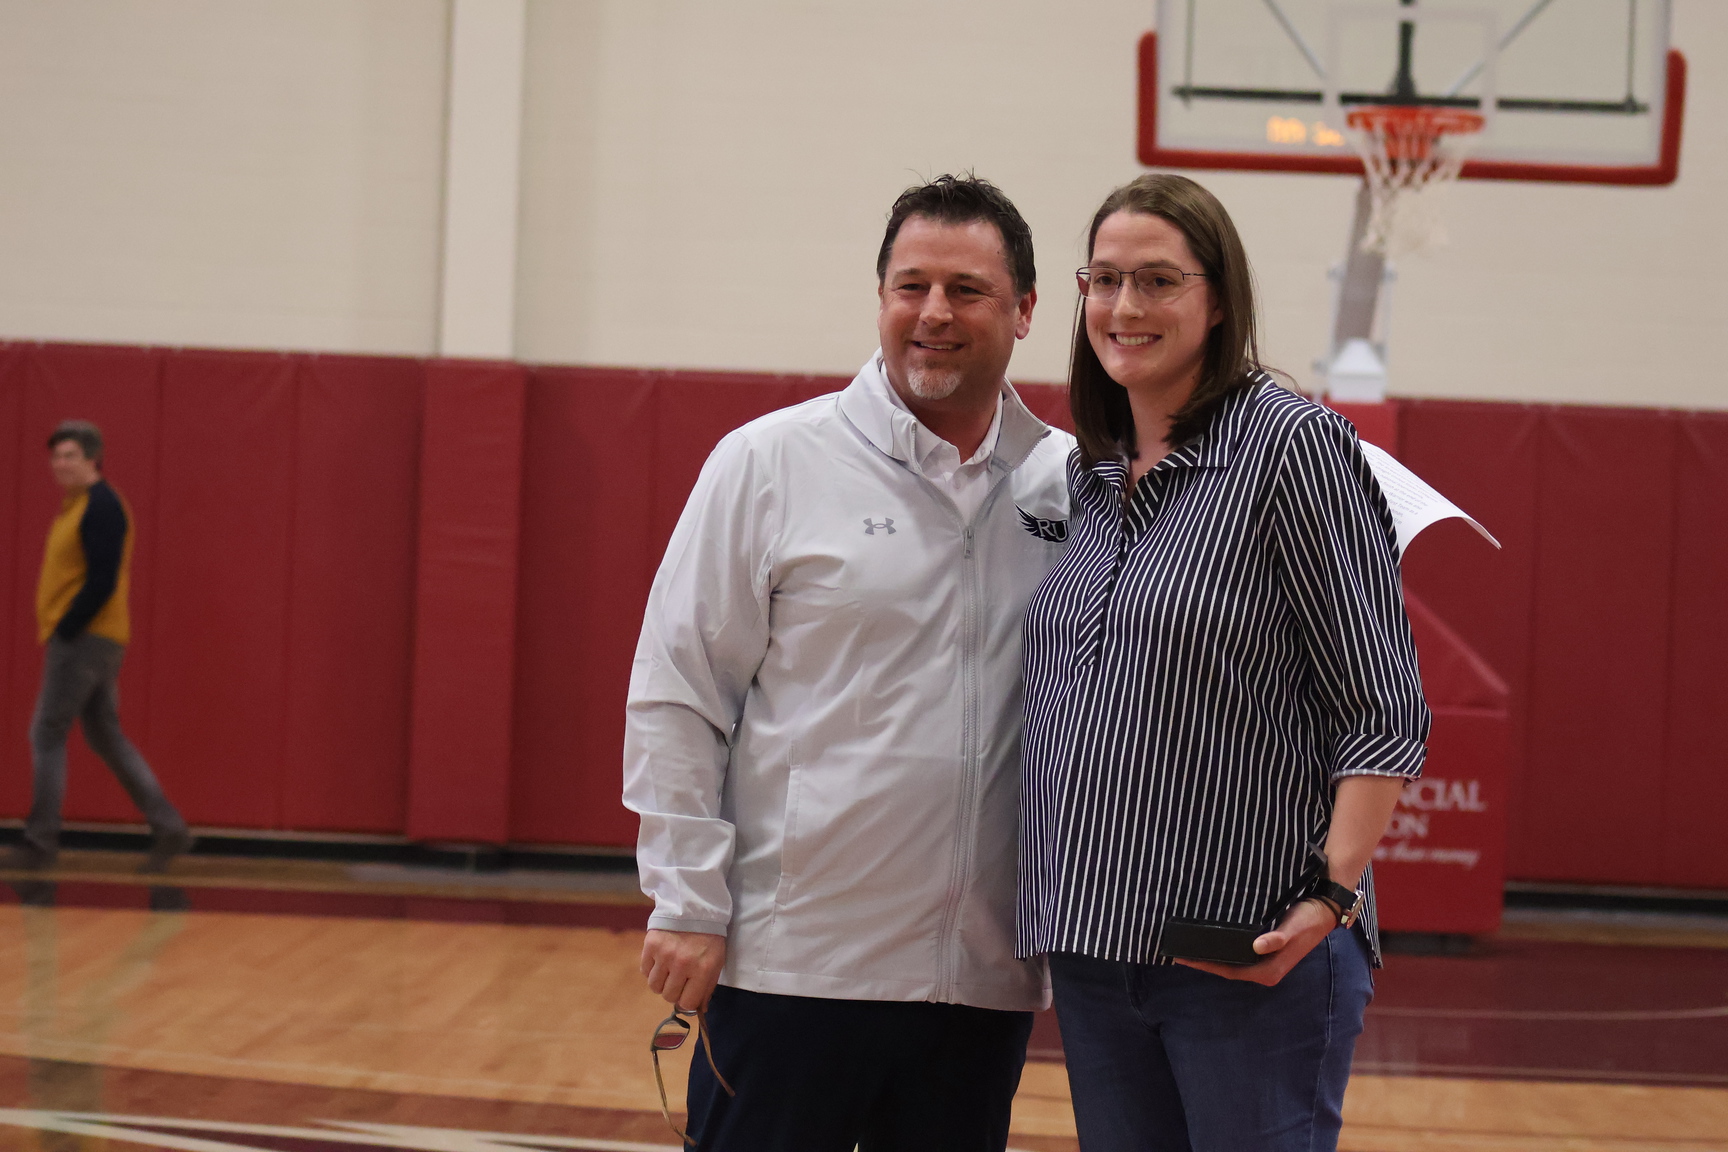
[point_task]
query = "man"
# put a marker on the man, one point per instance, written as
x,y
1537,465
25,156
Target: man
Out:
x,y
823,727
82,617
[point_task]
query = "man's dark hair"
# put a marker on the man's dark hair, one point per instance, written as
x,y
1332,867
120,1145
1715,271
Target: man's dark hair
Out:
x,y
86,435
961,200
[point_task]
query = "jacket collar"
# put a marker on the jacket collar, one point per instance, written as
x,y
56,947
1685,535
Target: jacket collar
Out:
x,y
868,404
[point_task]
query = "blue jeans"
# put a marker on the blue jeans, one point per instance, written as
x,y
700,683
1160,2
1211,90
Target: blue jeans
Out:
x,y
1169,1059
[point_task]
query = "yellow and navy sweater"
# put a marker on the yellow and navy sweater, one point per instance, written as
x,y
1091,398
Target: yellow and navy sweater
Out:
x,y
86,568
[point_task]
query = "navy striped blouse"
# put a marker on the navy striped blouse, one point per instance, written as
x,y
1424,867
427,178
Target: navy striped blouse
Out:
x,y
1201,668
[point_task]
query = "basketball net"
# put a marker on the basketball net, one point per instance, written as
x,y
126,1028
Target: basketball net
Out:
x,y
1410,154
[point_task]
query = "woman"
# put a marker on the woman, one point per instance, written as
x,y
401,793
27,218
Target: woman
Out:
x,y
1222,708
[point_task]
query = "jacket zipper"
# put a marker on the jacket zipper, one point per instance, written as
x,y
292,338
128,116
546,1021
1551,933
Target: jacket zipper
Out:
x,y
969,757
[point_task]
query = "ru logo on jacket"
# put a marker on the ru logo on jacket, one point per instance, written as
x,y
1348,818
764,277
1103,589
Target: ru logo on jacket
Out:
x,y
1052,531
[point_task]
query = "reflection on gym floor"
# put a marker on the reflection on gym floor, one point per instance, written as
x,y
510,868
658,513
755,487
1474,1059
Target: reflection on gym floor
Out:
x,y
311,1007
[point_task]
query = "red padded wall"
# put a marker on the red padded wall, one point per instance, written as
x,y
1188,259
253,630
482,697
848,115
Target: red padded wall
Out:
x,y
223,541
17,634
1484,458
465,610
587,501
378,594
1441,867
1599,663
1694,851
1048,402
119,389
350,611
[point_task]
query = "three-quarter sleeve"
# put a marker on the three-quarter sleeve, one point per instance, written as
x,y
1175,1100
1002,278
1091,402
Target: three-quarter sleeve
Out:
x,y
1339,566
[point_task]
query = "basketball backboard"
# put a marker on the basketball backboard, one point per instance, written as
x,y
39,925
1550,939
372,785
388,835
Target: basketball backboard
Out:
x,y
1570,90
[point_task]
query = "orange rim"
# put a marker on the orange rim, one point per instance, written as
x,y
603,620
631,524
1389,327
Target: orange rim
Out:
x,y
1411,130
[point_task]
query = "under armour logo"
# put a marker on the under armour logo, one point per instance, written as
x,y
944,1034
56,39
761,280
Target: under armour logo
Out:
x,y
885,525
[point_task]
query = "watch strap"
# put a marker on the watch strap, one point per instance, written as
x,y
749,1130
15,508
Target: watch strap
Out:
x,y
1347,900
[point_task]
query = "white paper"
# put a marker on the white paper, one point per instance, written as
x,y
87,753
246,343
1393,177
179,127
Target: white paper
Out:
x,y
1415,504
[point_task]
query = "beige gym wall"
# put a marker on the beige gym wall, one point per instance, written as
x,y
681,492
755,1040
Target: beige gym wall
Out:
x,y
263,174
703,185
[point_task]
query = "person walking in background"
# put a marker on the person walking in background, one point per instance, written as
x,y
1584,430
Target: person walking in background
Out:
x,y
83,621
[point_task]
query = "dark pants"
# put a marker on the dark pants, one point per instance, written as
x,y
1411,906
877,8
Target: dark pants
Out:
x,y
1169,1059
816,1075
81,681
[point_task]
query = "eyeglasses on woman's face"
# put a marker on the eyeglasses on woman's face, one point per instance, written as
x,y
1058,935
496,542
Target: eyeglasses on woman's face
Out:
x,y
1159,283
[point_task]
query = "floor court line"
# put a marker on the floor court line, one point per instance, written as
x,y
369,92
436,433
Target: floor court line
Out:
x,y
167,1132
164,1132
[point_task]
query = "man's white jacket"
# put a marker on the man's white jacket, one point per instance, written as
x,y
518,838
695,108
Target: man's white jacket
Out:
x,y
823,731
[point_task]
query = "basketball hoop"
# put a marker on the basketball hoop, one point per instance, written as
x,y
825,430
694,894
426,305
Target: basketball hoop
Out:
x,y
1408,152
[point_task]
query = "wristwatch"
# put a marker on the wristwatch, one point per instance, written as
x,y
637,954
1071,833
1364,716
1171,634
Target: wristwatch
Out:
x,y
1347,901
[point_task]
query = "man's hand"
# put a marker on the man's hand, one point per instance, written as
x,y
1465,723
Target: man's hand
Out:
x,y
683,967
1302,928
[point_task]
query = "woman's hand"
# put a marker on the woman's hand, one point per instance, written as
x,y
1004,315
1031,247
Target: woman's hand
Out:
x,y
1359,818
1302,928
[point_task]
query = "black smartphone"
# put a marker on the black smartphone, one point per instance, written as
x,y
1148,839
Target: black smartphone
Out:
x,y
1209,940
1234,943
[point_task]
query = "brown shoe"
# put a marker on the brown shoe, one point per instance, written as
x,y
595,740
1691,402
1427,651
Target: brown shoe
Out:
x,y
28,857
163,848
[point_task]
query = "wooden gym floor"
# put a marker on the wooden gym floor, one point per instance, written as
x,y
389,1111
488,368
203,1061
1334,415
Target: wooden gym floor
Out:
x,y
284,1006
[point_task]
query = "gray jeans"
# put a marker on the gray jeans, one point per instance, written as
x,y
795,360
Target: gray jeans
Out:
x,y
81,680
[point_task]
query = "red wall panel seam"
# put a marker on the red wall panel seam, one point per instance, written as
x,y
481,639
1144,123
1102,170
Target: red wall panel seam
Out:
x,y
1665,733
297,370
12,357
1524,858
150,524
